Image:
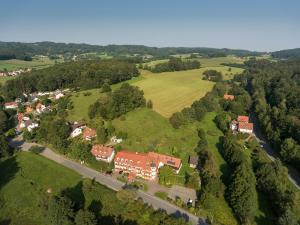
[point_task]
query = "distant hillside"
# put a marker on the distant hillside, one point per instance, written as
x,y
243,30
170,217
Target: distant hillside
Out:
x,y
287,54
25,51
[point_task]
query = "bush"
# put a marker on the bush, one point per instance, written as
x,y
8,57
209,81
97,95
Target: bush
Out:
x,y
36,149
177,120
87,93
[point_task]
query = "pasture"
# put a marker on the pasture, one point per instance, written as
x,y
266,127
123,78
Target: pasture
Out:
x,y
26,179
36,63
172,91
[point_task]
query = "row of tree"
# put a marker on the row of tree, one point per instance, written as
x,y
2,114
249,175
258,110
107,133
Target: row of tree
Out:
x,y
209,103
272,181
275,90
241,193
174,64
9,50
81,74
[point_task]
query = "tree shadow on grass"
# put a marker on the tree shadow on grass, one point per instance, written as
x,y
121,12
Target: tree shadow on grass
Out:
x,y
224,168
5,222
76,195
8,169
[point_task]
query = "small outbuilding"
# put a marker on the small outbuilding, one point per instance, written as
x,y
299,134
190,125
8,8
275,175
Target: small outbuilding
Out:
x,y
193,161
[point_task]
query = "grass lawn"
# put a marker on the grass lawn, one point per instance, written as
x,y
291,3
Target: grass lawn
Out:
x,y
172,91
25,179
37,63
148,131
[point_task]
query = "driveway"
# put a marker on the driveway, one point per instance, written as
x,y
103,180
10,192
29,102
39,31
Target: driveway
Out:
x,y
110,182
293,174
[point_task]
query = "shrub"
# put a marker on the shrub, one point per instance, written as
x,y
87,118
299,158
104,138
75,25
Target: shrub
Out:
x,y
36,149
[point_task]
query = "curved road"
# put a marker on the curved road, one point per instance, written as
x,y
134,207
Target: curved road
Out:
x,y
111,182
293,174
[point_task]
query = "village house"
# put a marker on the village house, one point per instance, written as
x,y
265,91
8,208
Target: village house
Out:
x,y
193,161
40,108
116,140
58,94
76,129
25,122
144,165
89,134
228,97
30,125
242,125
11,105
103,153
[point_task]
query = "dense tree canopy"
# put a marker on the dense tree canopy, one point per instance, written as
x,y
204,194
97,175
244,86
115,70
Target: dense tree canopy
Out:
x,y
175,64
12,50
83,74
121,101
275,90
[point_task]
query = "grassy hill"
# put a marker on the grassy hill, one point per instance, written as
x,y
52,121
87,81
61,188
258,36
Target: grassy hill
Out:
x,y
25,179
36,63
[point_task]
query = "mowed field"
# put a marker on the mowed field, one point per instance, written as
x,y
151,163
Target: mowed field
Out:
x,y
25,179
37,63
172,91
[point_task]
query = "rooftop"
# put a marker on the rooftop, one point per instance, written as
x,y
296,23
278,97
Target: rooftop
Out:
x,y
244,119
102,150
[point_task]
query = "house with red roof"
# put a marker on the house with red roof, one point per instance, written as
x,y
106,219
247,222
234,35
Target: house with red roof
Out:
x,y
103,153
243,119
245,128
144,165
89,133
11,105
242,125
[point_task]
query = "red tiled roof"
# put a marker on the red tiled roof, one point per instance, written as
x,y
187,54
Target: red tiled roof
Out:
x,y
166,160
146,160
228,97
244,119
10,103
246,126
89,132
135,159
102,151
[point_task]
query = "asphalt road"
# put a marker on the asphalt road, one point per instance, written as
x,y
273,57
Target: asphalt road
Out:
x,y
110,182
293,174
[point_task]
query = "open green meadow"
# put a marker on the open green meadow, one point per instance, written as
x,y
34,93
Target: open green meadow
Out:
x,y
25,179
170,92
36,63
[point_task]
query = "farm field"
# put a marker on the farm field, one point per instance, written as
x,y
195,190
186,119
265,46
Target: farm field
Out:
x,y
205,62
172,91
25,179
15,64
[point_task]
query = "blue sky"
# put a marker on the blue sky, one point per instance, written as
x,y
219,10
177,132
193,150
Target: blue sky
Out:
x,y
256,25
